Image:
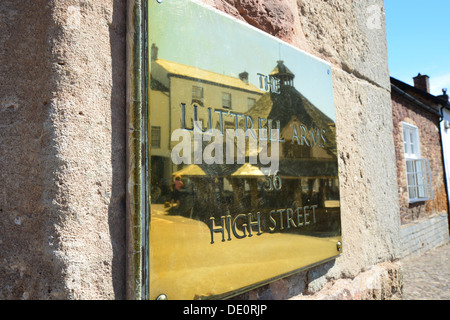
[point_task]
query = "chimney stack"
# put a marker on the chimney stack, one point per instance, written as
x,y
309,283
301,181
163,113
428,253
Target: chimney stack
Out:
x,y
422,82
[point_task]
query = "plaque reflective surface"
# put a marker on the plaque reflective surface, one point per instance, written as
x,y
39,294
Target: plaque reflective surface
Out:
x,y
244,176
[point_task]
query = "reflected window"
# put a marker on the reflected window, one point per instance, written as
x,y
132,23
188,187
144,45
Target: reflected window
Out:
x,y
226,100
197,94
156,137
251,102
293,151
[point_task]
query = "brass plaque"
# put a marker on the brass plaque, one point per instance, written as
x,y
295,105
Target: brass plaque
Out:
x,y
244,175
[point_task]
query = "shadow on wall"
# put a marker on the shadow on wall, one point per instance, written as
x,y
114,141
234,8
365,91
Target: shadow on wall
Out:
x,y
117,207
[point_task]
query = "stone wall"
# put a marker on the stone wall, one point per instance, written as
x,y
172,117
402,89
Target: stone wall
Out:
x,y
62,142
423,235
62,115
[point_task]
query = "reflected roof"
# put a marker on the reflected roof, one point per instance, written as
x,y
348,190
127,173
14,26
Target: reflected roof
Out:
x,y
178,69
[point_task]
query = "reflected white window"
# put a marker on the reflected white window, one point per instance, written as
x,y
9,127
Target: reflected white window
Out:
x,y
155,137
250,103
197,94
418,171
226,100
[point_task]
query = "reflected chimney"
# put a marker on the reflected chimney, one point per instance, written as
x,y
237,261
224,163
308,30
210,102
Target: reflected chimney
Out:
x,y
154,52
422,82
244,77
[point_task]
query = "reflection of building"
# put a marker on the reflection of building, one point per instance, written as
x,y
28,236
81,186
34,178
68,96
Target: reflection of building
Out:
x,y
291,107
307,159
308,155
173,84
421,175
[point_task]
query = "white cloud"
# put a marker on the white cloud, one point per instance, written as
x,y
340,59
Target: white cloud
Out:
x,y
438,83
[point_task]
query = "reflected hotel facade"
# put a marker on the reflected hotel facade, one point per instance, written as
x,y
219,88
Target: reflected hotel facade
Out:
x,y
235,161
303,144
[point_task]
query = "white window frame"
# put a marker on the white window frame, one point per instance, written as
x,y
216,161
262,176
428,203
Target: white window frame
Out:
x,y
411,142
418,173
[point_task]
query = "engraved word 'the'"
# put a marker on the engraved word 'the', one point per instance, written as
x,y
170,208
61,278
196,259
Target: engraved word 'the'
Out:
x,y
269,83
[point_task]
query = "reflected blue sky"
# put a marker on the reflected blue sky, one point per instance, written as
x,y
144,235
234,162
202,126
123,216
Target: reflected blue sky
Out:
x,y
189,33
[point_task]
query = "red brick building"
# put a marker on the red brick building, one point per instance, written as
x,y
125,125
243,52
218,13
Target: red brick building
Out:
x,y
420,168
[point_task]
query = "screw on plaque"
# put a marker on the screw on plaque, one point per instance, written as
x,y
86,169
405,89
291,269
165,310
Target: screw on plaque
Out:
x,y
162,297
339,246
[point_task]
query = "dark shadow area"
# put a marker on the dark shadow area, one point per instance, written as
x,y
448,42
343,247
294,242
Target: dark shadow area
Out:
x,y
117,207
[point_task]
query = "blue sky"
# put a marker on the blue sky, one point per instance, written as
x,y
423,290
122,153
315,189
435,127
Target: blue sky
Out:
x,y
419,41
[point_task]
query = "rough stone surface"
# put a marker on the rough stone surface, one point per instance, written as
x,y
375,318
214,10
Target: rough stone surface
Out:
x,y
62,120
380,282
27,268
350,34
62,137
272,17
